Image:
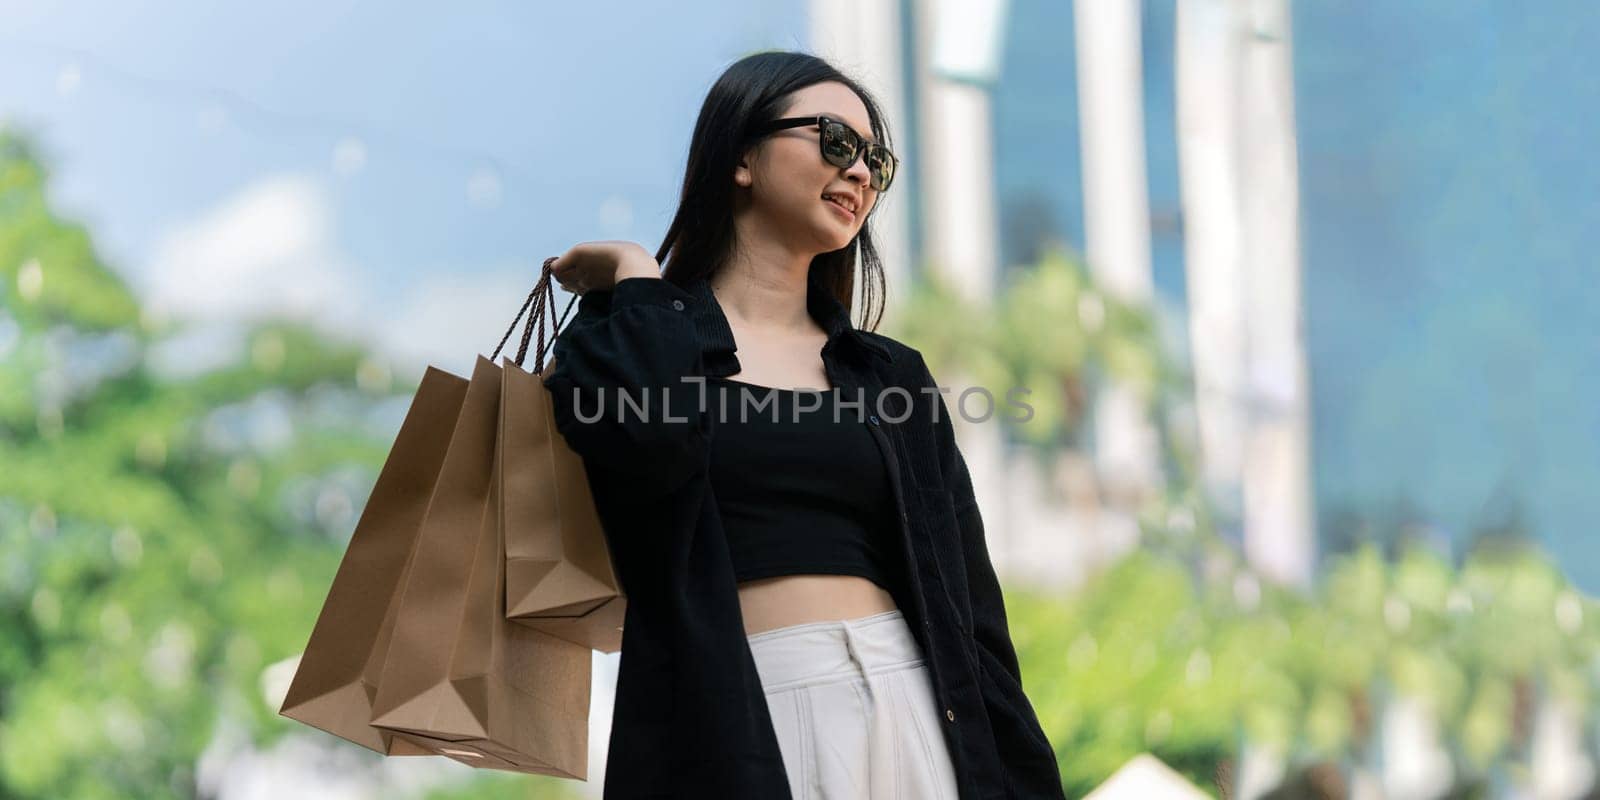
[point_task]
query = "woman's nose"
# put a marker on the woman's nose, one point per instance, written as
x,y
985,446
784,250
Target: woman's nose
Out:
x,y
858,172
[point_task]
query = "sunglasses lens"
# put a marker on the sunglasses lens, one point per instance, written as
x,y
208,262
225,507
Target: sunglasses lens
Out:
x,y
839,144
881,164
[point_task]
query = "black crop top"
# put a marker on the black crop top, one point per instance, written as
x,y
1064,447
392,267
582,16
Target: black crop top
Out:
x,y
799,493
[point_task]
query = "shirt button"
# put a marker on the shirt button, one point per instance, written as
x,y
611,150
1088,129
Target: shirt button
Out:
x,y
677,305
950,715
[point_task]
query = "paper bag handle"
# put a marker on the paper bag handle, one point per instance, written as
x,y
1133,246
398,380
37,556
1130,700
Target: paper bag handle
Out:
x,y
542,302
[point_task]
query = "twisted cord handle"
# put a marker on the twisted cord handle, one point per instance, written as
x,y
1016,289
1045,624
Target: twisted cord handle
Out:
x,y
543,305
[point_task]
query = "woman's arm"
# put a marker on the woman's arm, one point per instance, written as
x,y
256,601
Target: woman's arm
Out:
x,y
634,343
1031,766
989,625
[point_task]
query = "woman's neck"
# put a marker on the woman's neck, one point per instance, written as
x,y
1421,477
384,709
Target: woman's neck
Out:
x,y
765,293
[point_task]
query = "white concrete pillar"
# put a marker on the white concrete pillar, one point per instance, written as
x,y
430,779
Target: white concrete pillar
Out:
x,y
958,50
1116,220
1240,192
959,42
1278,507
863,39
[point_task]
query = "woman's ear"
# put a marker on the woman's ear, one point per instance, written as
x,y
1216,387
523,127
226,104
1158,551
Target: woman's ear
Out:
x,y
743,176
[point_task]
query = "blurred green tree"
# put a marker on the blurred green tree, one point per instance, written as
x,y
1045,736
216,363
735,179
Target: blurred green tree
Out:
x,y
1179,651
163,537
1147,657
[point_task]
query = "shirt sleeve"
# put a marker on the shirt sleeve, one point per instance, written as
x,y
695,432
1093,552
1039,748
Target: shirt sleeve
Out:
x,y
626,385
989,623
1031,768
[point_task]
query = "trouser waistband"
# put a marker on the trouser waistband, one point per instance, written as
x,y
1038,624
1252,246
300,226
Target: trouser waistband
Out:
x,y
821,652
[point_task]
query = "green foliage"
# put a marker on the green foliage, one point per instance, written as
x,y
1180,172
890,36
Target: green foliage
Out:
x,y
1181,652
80,291
1149,657
162,539
510,786
1051,330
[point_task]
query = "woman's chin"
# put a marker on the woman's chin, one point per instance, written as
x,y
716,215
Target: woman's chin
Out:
x,y
834,236
834,243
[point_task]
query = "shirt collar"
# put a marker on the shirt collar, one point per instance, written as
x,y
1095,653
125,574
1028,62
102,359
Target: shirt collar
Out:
x,y
821,303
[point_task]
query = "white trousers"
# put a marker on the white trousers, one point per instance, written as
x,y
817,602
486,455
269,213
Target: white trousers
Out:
x,y
852,703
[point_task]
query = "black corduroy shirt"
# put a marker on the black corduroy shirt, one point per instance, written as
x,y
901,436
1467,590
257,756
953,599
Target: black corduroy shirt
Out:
x,y
691,718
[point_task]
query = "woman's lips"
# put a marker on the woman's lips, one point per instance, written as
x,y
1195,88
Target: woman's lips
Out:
x,y
850,215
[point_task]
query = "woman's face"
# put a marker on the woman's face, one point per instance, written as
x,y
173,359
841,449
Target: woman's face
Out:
x,y
786,176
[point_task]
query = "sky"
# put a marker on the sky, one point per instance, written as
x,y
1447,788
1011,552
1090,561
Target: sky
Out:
x,y
399,175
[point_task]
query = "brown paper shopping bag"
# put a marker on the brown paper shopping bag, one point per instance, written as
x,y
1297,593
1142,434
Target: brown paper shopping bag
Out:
x,y
459,678
337,678
559,576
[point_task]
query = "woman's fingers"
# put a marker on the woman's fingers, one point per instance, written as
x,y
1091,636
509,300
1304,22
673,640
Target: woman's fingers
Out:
x,y
563,273
593,265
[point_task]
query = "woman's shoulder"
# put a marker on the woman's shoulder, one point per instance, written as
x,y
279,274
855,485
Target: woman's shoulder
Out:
x,y
901,354
906,366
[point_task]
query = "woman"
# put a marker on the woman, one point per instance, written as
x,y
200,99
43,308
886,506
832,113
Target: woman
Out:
x,y
812,612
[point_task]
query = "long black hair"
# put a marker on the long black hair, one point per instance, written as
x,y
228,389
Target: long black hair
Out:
x,y
754,90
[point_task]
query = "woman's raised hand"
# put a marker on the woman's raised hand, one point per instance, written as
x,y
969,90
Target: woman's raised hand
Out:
x,y
590,266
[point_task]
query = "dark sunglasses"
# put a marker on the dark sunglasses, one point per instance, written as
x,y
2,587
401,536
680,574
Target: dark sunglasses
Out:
x,y
841,146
